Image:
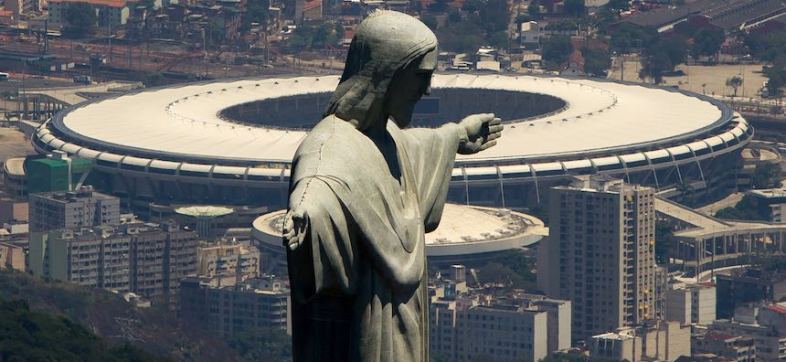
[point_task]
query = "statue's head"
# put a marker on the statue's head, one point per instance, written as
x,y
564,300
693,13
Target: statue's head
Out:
x,y
388,68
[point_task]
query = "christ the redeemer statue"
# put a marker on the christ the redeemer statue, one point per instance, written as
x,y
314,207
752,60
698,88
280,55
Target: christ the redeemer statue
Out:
x,y
363,191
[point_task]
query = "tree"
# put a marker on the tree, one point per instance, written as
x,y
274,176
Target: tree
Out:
x,y
556,51
575,8
664,241
776,76
629,37
596,61
495,16
263,344
80,19
707,42
766,175
27,335
256,12
662,56
749,208
617,6
734,82
533,9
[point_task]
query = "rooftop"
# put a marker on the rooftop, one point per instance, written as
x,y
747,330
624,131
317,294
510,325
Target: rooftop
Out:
x,y
600,117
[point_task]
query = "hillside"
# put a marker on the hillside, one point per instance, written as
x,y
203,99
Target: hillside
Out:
x,y
155,331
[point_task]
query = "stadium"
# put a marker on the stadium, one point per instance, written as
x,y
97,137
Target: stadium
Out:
x,y
231,142
491,234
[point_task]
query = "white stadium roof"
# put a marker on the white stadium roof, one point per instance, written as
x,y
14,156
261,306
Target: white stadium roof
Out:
x,y
175,122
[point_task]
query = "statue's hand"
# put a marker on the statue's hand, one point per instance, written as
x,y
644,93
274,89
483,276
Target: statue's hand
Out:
x,y
294,230
482,131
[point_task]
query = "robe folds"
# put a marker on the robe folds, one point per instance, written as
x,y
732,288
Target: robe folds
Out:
x,y
359,280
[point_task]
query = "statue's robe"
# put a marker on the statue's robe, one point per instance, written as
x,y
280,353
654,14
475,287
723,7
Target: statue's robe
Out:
x,y
359,280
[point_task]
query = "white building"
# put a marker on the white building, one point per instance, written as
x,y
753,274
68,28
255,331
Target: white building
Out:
x,y
522,328
664,341
600,254
691,304
529,33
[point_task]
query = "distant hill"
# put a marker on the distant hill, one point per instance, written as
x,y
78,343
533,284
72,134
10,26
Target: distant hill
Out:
x,y
27,335
156,331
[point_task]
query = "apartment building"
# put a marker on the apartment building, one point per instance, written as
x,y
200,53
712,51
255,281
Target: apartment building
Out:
x,y
691,304
600,254
655,341
227,308
83,208
109,13
523,328
228,259
146,259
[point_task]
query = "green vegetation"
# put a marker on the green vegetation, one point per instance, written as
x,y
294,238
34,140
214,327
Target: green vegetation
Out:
x,y
256,12
27,335
664,241
514,270
628,38
263,344
766,175
770,47
749,208
707,42
575,8
662,56
156,330
596,61
478,22
734,83
80,20
556,51
317,35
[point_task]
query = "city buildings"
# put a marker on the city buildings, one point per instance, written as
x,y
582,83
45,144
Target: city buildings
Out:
x,y
661,341
109,13
766,325
466,324
227,308
737,348
228,259
72,210
600,254
691,304
747,285
12,257
147,259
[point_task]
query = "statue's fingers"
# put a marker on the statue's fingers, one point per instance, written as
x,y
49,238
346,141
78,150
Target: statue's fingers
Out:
x,y
495,122
494,136
488,145
496,129
485,117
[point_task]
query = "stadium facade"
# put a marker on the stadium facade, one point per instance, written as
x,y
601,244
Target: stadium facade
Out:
x,y
231,142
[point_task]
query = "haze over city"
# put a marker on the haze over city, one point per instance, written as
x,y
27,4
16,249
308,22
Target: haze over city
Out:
x,y
624,202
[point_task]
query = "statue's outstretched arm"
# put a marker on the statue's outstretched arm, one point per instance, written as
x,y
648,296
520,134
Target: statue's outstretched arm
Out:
x,y
482,130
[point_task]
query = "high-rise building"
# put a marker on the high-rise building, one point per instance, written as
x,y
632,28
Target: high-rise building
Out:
x,y
160,255
97,258
82,208
600,254
468,327
146,259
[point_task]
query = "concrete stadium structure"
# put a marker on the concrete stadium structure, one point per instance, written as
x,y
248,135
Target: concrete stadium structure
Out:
x,y
469,235
231,142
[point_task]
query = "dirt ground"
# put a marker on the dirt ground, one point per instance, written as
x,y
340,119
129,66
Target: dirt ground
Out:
x,y
14,144
710,80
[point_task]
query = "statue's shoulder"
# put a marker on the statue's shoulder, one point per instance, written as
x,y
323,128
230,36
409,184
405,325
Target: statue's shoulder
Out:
x,y
330,134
